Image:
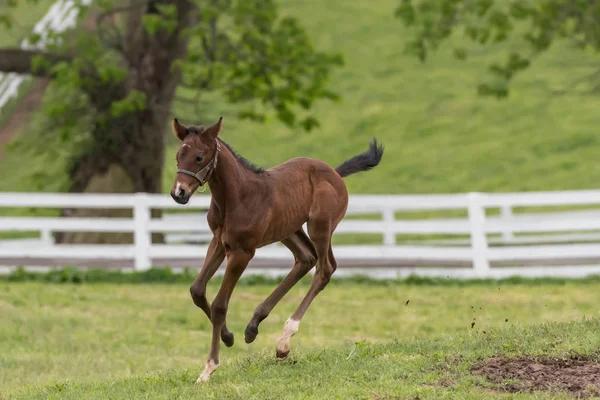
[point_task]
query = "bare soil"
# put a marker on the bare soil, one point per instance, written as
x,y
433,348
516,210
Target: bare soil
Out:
x,y
577,375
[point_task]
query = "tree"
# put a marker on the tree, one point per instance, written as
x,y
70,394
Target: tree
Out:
x,y
532,26
114,79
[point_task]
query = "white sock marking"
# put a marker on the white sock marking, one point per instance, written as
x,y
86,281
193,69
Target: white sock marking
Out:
x,y
210,367
289,329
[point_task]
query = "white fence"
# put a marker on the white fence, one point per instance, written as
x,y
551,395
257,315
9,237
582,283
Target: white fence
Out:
x,y
557,243
61,16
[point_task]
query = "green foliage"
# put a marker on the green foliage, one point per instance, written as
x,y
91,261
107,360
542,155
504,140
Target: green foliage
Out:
x,y
165,20
135,101
244,50
68,117
530,26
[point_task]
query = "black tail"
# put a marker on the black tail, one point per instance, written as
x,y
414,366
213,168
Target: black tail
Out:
x,y
363,161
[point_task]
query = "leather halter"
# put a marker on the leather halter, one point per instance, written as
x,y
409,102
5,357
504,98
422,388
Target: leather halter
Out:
x,y
203,175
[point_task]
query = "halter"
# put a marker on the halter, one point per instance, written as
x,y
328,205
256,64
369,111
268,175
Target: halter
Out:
x,y
204,173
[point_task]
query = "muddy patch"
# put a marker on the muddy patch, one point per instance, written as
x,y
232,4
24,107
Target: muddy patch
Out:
x,y
578,375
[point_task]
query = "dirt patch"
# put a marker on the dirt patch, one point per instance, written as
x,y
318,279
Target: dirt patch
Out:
x,y
577,375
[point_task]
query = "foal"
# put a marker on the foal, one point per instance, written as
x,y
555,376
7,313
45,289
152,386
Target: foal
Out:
x,y
250,208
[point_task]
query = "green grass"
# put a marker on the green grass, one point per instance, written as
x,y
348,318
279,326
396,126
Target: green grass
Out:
x,y
415,369
358,339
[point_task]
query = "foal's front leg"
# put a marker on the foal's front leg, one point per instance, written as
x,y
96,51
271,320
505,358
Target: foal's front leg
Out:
x,y
214,258
237,261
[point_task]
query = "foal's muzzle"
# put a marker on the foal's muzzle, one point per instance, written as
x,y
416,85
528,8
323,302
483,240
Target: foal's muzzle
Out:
x,y
181,197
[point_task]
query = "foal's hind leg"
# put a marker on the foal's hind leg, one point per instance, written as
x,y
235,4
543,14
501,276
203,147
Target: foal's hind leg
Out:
x,y
305,257
214,258
319,230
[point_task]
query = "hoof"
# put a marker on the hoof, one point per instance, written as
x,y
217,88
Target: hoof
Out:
x,y
250,334
281,355
227,338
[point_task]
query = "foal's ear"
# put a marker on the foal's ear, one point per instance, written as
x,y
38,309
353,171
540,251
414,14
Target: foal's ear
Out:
x,y
179,130
213,131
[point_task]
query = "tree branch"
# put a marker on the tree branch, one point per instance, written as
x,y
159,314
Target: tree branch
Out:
x,y
20,61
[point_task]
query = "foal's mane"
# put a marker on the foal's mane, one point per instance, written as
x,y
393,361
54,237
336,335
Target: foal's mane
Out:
x,y
244,162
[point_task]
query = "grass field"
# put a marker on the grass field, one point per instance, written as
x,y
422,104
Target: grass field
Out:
x,y
358,340
439,135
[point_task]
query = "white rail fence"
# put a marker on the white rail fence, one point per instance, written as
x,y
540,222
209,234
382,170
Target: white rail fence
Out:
x,y
61,16
556,243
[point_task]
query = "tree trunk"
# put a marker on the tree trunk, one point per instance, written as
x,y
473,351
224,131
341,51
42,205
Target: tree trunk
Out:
x,y
112,179
130,161
129,152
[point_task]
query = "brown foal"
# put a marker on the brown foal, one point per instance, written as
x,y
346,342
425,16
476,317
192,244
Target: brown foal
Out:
x,y
252,207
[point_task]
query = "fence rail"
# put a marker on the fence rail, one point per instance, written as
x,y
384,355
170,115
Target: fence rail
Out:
x,y
549,243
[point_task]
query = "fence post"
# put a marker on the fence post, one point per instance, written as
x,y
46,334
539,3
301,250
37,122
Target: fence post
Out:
x,y
46,237
389,236
479,244
141,234
506,214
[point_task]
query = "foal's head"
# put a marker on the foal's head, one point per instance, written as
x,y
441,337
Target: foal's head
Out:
x,y
196,158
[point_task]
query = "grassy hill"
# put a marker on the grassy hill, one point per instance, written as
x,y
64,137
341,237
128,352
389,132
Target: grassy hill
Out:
x,y
25,15
439,135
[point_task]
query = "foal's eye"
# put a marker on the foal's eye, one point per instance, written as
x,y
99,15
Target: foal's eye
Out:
x,y
199,159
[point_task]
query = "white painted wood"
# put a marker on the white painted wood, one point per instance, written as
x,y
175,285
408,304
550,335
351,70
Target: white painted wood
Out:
x,y
518,240
389,234
477,250
542,225
66,224
46,237
60,200
507,214
551,252
168,225
479,245
366,252
142,235
201,238
101,252
536,199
